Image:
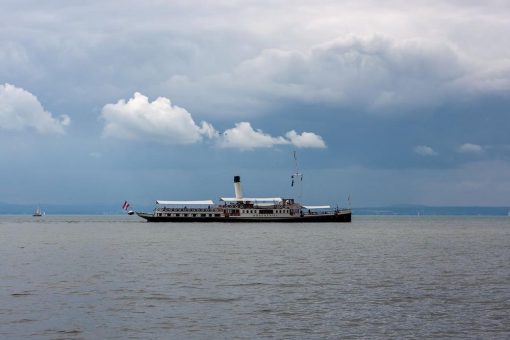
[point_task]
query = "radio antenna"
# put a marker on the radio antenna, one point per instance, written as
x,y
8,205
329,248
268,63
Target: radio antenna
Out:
x,y
297,178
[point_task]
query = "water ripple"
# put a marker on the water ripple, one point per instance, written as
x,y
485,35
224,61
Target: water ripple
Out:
x,y
117,278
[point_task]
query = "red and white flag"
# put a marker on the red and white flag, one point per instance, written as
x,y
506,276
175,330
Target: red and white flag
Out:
x,y
125,206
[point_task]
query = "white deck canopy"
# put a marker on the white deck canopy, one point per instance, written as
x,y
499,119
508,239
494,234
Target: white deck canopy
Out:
x,y
316,207
256,199
205,202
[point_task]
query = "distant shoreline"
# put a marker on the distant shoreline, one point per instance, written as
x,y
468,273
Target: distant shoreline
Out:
x,y
433,211
429,211
105,210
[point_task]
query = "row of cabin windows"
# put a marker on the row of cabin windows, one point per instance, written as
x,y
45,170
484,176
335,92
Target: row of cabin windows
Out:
x,y
280,211
186,215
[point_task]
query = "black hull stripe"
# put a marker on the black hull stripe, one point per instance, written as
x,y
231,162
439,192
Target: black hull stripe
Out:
x,y
305,219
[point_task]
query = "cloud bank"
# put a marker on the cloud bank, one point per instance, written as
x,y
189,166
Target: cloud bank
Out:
x,y
375,73
379,57
371,72
20,110
161,121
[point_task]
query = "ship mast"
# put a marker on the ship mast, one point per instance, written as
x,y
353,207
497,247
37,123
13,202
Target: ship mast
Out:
x,y
297,179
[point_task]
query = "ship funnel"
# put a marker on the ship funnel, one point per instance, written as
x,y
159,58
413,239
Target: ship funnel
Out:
x,y
237,187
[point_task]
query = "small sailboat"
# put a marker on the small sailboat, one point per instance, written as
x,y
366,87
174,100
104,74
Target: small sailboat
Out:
x,y
38,212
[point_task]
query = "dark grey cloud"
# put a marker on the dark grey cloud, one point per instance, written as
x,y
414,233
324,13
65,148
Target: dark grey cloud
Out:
x,y
375,74
396,54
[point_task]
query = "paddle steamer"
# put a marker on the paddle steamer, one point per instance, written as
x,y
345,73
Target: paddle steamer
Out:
x,y
241,209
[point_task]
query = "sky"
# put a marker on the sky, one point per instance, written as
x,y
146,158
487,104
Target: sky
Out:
x,y
390,102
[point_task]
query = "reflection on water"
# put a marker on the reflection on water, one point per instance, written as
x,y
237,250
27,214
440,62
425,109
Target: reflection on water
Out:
x,y
119,277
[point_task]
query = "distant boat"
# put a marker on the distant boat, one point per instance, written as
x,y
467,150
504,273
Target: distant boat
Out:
x,y
38,212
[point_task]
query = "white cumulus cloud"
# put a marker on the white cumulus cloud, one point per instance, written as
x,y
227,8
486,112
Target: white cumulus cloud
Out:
x,y
20,109
158,120
305,139
470,148
424,150
244,137
162,122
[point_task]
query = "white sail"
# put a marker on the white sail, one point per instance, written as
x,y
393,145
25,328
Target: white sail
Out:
x,y
38,212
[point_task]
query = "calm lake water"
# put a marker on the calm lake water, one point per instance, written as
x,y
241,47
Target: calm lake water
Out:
x,y
378,277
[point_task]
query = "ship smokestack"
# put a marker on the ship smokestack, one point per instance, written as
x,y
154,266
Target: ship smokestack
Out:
x,y
237,188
